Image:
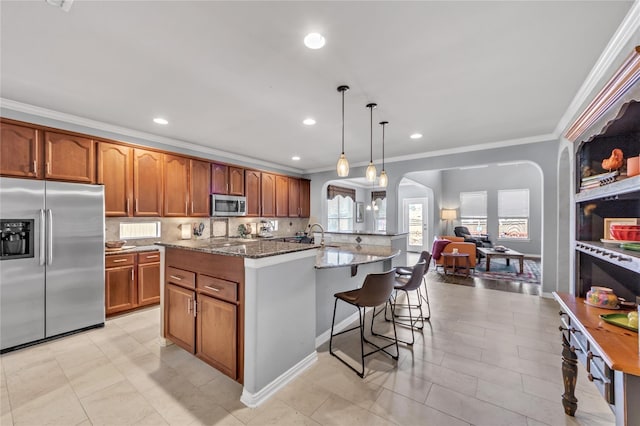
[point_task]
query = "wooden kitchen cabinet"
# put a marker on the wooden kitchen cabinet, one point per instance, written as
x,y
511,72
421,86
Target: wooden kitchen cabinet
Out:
x,y
294,197
20,151
252,180
120,284
180,325
216,333
268,195
148,278
227,179
131,281
69,158
282,196
199,181
147,183
305,198
115,172
176,186
204,296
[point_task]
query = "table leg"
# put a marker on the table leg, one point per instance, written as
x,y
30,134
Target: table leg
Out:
x,y
521,264
468,265
569,377
488,263
507,261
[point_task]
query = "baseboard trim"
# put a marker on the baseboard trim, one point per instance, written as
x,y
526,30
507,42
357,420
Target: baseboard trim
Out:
x,y
252,400
324,337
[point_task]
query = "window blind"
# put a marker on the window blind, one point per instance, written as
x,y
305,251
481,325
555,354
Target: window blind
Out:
x,y
333,191
473,204
375,195
513,203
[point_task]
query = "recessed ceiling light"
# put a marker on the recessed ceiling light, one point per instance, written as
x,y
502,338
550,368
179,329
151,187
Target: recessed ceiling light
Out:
x,y
416,136
295,158
159,120
314,41
309,121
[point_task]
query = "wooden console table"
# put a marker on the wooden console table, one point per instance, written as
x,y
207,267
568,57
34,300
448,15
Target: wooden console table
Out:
x,y
609,353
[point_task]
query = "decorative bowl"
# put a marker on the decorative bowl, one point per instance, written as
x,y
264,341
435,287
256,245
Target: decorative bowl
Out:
x,y
603,297
625,232
115,244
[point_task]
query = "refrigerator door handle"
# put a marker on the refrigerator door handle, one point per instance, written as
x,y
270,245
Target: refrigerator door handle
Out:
x,y
41,259
50,237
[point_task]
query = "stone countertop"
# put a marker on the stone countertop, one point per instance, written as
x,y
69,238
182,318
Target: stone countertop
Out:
x,y
378,234
130,249
352,254
243,247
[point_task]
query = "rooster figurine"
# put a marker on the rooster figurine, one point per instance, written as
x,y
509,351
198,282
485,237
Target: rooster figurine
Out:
x,y
615,161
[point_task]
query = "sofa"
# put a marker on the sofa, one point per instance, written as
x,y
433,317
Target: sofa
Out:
x,y
461,245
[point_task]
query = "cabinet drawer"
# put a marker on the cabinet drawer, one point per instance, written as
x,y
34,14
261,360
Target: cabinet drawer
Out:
x,y
221,289
149,257
181,277
116,260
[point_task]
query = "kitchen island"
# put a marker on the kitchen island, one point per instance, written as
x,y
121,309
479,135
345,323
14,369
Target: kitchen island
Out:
x,y
279,294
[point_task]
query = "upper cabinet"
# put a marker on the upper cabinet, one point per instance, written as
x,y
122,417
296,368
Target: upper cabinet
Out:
x,y
282,196
199,180
115,172
252,183
305,198
20,151
69,158
268,195
299,203
176,186
227,179
147,183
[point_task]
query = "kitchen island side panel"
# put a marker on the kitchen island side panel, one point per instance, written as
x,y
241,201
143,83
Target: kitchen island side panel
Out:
x,y
279,317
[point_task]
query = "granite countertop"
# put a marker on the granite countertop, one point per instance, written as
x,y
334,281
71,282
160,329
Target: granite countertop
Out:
x,y
251,248
130,249
383,234
352,254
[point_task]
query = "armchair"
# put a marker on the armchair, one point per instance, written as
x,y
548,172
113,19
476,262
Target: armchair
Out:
x,y
480,241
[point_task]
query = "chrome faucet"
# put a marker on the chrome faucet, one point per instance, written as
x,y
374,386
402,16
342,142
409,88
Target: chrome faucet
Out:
x,y
321,230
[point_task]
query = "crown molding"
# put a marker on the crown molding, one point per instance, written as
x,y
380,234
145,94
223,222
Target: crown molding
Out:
x,y
625,33
65,118
453,151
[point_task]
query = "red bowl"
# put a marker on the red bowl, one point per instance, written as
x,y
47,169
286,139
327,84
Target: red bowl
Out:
x,y
625,232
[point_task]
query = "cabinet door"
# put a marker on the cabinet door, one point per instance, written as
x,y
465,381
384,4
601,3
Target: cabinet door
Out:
x,y
219,179
236,181
20,151
148,283
199,181
120,292
282,196
68,157
268,195
115,172
305,198
180,324
252,192
176,186
216,334
147,183
294,197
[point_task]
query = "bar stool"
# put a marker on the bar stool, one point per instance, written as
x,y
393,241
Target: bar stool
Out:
x,y
412,283
375,291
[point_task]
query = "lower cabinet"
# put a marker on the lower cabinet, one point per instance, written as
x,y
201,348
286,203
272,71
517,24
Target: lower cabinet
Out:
x,y
203,308
131,281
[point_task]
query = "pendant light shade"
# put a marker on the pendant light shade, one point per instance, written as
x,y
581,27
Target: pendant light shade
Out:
x,y
343,164
384,179
371,172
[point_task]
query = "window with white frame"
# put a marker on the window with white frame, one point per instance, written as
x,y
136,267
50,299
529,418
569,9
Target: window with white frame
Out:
x,y
473,211
379,202
340,211
513,214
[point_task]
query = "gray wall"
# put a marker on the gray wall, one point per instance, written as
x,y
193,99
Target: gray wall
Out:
x,y
492,179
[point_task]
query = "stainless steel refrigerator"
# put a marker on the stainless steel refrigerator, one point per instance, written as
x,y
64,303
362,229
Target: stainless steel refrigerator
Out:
x,y
52,259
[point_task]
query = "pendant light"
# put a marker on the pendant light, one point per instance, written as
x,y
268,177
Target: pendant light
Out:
x,y
371,172
384,179
343,164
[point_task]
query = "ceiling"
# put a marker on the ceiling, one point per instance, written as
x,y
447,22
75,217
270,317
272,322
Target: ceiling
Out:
x,y
236,76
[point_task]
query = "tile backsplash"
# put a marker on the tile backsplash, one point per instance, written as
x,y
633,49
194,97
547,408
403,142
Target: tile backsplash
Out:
x,y
171,227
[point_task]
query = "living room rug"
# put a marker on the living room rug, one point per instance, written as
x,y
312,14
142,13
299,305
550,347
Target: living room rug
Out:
x,y
500,271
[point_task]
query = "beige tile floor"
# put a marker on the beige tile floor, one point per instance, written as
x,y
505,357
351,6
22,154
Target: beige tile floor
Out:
x,y
487,358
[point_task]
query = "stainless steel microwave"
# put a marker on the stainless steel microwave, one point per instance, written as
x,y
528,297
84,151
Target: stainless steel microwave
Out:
x,y
228,205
